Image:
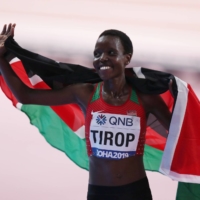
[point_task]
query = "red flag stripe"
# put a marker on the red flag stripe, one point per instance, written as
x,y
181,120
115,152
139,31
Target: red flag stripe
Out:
x,y
154,139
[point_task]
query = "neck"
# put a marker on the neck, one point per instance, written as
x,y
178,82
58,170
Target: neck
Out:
x,y
116,87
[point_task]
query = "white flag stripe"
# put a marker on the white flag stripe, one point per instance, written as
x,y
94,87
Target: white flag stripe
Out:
x,y
35,79
175,126
14,60
19,106
81,132
138,72
184,177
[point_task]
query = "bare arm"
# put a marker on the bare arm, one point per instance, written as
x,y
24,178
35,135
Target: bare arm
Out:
x,y
78,93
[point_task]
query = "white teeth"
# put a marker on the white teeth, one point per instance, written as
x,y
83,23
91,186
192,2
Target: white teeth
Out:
x,y
104,68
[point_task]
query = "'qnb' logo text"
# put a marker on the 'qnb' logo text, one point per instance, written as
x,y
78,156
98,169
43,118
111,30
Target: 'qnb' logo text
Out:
x,y
101,119
121,121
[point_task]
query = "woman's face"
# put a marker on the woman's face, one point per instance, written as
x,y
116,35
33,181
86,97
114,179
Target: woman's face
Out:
x,y
109,58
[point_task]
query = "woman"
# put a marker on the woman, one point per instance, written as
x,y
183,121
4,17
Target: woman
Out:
x,y
115,117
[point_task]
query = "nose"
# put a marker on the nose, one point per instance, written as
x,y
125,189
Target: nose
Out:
x,y
103,57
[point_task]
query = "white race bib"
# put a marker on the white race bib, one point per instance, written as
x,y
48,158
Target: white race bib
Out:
x,y
114,136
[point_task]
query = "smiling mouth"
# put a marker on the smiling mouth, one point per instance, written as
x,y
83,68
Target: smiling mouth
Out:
x,y
105,68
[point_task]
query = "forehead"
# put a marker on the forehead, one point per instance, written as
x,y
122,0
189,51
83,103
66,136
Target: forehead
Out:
x,y
107,41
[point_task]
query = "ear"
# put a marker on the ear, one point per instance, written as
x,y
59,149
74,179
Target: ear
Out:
x,y
128,57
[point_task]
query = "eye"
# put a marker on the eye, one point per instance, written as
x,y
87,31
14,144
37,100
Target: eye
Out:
x,y
112,53
96,54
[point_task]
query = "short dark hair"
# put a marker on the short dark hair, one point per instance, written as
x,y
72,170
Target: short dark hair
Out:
x,y
125,40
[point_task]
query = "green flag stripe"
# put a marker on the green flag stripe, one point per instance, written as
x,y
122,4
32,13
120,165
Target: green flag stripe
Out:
x,y
134,97
152,158
57,133
187,191
96,94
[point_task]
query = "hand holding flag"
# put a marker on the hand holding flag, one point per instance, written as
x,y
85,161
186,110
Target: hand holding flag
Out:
x,y
6,32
